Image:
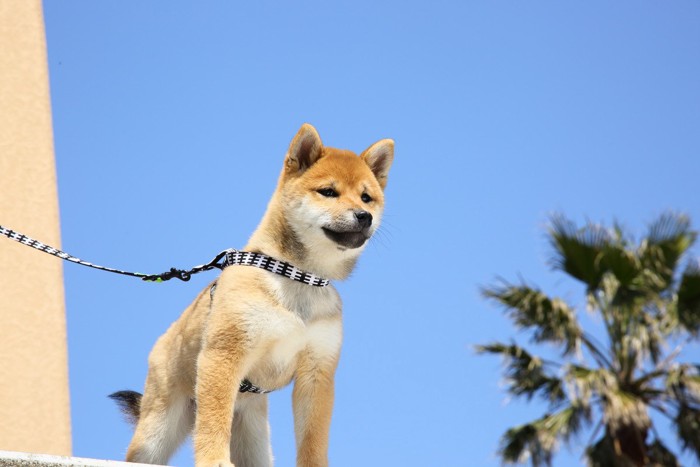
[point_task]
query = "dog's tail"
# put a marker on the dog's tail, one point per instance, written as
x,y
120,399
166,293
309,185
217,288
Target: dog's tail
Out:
x,y
129,403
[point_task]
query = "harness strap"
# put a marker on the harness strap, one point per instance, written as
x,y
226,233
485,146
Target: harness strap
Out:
x,y
268,263
247,386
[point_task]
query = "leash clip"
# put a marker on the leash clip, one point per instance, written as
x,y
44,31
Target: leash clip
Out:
x,y
166,276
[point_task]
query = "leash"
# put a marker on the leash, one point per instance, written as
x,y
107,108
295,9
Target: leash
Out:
x,y
229,256
183,275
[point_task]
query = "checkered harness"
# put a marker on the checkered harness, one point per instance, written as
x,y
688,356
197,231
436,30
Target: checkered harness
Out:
x,y
249,258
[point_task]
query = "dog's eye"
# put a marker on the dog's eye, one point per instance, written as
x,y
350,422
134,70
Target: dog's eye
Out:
x,y
328,192
365,198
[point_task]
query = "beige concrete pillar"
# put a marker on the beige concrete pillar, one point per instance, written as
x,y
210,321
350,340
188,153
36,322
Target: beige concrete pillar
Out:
x,y
34,405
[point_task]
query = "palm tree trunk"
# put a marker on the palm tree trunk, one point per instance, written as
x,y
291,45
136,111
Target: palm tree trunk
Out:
x,y
630,444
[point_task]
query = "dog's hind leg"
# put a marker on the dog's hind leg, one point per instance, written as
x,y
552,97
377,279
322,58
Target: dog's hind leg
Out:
x,y
250,433
164,422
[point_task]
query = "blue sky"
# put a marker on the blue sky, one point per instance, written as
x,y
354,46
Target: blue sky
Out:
x,y
171,120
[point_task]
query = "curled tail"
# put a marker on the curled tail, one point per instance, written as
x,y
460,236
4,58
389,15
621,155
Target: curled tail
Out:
x,y
129,403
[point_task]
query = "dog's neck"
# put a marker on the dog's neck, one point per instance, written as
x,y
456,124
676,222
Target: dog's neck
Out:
x,y
277,238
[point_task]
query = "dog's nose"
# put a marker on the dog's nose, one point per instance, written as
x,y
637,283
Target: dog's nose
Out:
x,y
363,218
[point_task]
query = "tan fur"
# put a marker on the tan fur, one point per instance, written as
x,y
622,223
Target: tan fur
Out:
x,y
265,327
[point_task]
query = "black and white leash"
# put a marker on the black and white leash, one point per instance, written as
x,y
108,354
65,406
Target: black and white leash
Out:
x,y
230,257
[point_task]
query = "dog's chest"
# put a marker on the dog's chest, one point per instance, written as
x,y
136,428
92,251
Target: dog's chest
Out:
x,y
311,330
296,344
321,339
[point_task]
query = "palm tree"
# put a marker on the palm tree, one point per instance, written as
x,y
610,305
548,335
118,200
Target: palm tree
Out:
x,y
609,384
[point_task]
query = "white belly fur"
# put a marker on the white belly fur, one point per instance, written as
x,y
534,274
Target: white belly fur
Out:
x,y
313,327
275,366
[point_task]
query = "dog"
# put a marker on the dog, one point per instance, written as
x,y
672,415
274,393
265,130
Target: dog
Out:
x,y
254,331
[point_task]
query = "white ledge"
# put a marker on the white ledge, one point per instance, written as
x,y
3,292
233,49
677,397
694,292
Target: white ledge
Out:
x,y
24,459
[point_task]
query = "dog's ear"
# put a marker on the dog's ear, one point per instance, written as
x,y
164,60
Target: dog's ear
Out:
x,y
379,157
305,149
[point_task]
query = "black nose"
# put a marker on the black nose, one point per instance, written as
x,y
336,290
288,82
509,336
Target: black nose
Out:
x,y
363,218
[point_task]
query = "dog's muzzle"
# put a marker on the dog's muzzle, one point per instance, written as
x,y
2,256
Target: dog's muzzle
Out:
x,y
353,236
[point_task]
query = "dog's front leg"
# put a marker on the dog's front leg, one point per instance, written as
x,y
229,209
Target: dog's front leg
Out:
x,y
219,372
313,404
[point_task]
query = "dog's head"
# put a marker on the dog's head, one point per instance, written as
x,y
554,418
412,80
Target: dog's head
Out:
x,y
334,199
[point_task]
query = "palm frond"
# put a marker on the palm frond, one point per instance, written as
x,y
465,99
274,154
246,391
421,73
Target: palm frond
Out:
x,y
525,374
673,233
669,238
551,319
521,443
661,456
688,428
578,252
643,339
624,409
538,440
620,407
623,264
683,383
565,423
625,282
688,302
585,383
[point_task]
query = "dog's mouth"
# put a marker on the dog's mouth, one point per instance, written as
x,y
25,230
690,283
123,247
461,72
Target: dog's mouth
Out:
x,y
347,239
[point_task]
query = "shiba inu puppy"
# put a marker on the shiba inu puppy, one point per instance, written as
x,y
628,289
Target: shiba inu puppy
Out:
x,y
258,331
